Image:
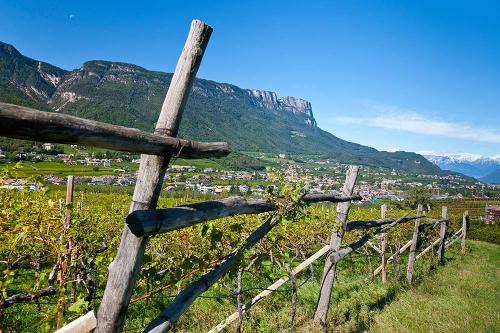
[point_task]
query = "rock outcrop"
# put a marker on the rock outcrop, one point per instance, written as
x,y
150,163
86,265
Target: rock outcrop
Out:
x,y
269,100
264,99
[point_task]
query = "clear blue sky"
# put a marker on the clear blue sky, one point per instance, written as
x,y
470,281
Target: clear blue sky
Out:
x,y
407,75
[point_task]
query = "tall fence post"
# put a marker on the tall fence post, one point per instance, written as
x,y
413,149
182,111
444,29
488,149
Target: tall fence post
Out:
x,y
124,269
413,247
383,210
442,234
66,257
465,225
330,269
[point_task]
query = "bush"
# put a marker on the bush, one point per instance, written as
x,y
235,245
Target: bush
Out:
x,y
484,232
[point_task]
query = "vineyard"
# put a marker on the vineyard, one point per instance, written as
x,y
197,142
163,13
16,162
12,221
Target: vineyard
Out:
x,y
31,232
77,260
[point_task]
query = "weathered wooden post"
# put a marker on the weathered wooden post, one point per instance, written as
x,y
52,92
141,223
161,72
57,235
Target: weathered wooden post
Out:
x,y
70,184
465,225
66,257
124,269
442,234
383,210
413,247
330,269
397,264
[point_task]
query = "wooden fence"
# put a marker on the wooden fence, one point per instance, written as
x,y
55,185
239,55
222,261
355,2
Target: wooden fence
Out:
x,y
144,221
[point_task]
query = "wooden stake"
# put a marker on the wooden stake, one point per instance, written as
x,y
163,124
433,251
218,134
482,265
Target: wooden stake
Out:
x,y
66,257
330,268
238,299
70,183
124,269
413,247
465,225
397,265
442,235
383,210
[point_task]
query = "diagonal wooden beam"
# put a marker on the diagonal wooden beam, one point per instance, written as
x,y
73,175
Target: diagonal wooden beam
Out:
x,y
330,269
124,270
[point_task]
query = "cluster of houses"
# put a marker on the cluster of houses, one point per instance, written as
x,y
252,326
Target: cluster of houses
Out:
x,y
19,184
123,179
216,189
87,159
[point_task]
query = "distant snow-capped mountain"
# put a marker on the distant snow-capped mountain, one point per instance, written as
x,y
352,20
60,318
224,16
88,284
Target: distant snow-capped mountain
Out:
x,y
473,165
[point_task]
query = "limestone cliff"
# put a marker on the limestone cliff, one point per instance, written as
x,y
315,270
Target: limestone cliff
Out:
x,y
269,100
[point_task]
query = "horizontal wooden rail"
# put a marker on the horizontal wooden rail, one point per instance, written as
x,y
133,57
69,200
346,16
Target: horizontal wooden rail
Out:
x,y
154,221
351,225
345,251
28,124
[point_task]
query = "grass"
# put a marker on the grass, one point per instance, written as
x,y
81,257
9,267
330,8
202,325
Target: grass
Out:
x,y
61,170
463,296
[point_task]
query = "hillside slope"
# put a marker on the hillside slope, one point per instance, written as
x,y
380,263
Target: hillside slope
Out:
x,y
125,94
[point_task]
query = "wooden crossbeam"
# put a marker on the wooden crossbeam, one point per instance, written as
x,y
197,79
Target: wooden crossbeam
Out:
x,y
20,122
345,251
351,225
154,221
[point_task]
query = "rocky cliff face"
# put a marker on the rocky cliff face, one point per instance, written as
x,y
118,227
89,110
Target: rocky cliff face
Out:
x,y
269,100
264,99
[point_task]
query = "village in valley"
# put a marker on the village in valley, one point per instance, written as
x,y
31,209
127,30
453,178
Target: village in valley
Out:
x,y
322,175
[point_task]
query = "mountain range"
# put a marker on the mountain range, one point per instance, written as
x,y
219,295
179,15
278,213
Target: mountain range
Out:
x,y
482,168
129,95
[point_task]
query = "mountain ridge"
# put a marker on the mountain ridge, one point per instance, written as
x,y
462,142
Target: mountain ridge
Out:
x,y
492,178
130,95
472,165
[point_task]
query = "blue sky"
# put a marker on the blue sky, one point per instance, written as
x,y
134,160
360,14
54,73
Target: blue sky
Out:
x,y
406,75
